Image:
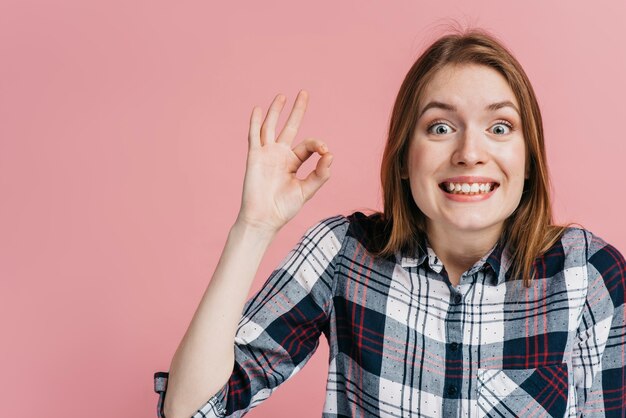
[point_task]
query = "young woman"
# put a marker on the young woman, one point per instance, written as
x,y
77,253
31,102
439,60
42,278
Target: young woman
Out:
x,y
460,299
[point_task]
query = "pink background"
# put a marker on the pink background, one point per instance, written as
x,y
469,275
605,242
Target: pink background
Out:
x,y
123,138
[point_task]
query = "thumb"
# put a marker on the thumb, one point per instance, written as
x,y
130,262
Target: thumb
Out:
x,y
317,177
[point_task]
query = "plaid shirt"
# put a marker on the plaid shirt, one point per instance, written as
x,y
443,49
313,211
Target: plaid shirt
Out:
x,y
404,342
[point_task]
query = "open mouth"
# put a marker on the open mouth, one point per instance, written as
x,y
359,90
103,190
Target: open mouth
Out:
x,y
468,189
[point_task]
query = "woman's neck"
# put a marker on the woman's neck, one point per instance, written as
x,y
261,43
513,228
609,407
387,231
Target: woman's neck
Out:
x,y
460,250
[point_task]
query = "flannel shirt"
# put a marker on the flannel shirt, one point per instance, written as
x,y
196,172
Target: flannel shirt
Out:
x,y
404,342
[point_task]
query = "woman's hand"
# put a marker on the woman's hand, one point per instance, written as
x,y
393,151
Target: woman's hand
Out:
x,y
272,194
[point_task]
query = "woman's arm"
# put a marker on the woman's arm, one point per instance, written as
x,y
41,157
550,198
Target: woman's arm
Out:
x,y
599,357
272,195
204,358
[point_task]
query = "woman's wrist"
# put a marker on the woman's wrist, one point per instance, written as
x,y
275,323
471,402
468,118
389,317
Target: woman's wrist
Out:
x,y
244,229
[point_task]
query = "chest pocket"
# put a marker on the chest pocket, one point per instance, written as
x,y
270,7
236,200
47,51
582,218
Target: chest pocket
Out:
x,y
539,392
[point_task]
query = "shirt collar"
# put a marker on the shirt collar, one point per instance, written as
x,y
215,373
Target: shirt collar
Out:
x,y
414,260
497,258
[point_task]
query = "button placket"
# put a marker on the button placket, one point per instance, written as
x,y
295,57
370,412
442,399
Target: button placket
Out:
x,y
454,353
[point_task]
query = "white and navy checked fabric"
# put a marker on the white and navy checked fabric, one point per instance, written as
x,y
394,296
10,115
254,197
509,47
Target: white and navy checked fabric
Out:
x,y
404,342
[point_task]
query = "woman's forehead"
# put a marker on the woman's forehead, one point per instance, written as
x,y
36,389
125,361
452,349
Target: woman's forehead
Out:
x,y
470,85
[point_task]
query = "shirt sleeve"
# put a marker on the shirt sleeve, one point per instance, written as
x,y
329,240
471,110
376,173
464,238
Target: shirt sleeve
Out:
x,y
599,358
281,324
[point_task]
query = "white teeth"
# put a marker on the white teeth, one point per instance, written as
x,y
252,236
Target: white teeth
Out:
x,y
467,188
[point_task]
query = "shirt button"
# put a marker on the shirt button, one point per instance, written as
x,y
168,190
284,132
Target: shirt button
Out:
x,y
452,390
457,298
454,346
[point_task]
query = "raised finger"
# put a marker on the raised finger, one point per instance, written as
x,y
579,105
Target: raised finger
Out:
x,y
309,146
268,129
295,118
254,135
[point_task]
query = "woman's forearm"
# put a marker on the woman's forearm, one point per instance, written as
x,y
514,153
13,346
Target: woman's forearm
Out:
x,y
272,195
204,359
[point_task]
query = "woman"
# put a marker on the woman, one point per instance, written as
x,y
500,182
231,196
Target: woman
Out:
x,y
462,298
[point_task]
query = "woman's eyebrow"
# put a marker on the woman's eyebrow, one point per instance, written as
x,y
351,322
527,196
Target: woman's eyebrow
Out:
x,y
445,106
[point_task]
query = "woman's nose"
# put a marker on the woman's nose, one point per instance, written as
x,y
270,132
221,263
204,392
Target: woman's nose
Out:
x,y
470,149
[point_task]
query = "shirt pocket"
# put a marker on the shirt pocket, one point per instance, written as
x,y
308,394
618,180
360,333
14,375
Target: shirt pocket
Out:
x,y
538,392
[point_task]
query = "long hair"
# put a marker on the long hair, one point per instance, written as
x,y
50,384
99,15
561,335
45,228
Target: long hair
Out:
x,y
529,230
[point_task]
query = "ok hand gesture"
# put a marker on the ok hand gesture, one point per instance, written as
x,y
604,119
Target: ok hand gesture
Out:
x,y
272,194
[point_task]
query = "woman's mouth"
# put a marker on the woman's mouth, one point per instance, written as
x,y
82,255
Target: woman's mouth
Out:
x,y
468,189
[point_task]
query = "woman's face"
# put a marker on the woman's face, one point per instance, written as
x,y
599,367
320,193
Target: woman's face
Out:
x,y
468,136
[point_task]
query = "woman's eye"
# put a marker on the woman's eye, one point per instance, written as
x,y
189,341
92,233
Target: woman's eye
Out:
x,y
439,128
442,128
502,128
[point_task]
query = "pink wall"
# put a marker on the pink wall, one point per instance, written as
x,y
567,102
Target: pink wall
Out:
x,y
123,137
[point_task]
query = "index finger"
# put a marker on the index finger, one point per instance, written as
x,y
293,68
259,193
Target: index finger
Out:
x,y
295,118
254,139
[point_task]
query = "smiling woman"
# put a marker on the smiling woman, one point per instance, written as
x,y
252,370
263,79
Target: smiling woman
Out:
x,y
462,298
476,91
466,162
